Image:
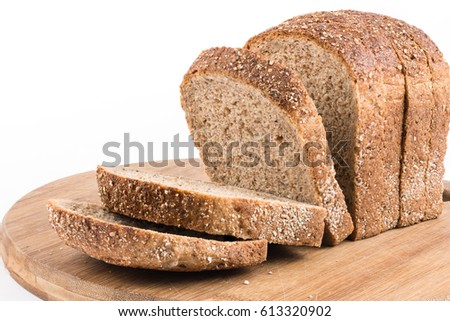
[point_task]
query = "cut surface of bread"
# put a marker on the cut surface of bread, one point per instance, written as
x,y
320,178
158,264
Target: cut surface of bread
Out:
x,y
258,118
209,207
123,241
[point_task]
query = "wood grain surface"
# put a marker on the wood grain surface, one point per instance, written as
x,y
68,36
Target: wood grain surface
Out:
x,y
404,264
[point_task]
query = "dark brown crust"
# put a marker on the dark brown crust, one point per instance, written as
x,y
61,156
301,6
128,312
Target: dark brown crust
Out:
x,y
276,221
372,64
139,248
280,86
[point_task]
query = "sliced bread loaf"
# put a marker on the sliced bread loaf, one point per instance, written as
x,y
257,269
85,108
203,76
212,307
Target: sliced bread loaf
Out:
x,y
383,165
122,241
209,207
355,80
257,128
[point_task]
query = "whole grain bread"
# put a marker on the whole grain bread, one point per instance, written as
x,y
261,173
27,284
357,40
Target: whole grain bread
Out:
x,y
359,94
387,160
432,185
127,242
260,114
414,193
360,98
390,102
209,207
371,59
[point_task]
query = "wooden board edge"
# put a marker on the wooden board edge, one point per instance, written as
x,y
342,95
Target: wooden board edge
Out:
x,y
8,261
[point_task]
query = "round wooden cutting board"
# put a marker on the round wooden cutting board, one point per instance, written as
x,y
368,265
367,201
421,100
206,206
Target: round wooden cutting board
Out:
x,y
404,264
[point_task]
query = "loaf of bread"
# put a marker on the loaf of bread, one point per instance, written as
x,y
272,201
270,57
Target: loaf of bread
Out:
x,y
371,79
238,102
123,241
376,87
209,207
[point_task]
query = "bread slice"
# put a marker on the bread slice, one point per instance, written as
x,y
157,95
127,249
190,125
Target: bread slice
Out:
x,y
257,128
127,242
355,80
209,207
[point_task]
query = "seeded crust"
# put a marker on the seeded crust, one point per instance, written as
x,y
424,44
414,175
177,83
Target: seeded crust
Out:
x,y
209,207
425,124
372,182
126,242
438,127
418,108
419,105
286,92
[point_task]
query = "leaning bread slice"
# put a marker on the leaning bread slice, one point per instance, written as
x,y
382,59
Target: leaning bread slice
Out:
x,y
209,207
127,242
257,128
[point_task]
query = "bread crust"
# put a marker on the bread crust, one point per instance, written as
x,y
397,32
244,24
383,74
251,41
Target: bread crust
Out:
x,y
274,220
425,125
438,127
281,87
77,225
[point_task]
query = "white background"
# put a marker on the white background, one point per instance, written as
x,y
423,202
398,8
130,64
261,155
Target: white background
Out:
x,y
77,74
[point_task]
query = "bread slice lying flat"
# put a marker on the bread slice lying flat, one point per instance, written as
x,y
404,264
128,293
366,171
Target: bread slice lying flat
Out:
x,y
209,207
127,242
257,128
